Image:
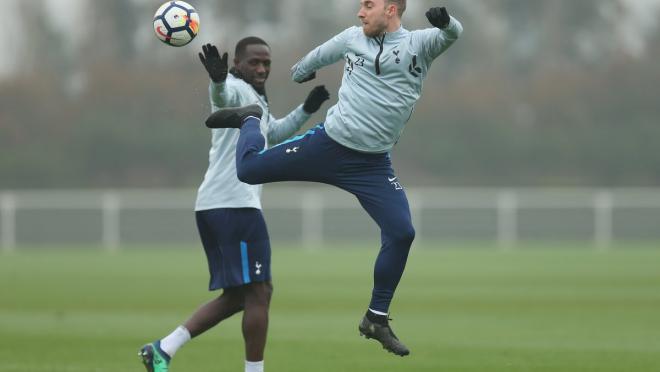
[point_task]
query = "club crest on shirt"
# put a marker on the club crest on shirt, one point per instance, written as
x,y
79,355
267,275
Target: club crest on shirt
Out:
x,y
396,54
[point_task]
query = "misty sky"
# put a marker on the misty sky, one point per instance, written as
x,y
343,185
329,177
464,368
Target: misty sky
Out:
x,y
633,22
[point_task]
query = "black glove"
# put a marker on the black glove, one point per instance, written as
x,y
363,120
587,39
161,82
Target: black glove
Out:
x,y
315,99
438,17
309,77
216,67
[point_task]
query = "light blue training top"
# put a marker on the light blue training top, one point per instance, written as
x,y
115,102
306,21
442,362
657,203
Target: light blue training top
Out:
x,y
383,79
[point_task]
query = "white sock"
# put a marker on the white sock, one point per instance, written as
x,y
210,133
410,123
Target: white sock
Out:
x,y
254,366
175,340
377,312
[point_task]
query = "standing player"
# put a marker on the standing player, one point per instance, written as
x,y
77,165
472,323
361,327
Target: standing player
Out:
x,y
385,65
228,212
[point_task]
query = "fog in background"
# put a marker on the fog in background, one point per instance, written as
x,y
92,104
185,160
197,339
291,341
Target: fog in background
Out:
x,y
535,93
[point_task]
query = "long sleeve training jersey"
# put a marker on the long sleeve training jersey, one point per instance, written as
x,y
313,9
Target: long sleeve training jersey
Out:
x,y
383,79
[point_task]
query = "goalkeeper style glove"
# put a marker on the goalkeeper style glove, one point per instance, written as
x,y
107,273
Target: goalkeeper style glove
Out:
x,y
215,65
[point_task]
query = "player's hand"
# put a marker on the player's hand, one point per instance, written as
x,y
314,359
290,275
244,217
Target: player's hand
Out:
x,y
439,17
215,65
309,77
315,99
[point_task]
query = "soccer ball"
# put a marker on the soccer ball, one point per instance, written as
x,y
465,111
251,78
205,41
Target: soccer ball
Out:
x,y
176,23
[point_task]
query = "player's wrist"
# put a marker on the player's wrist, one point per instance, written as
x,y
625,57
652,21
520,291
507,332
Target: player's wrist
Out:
x,y
305,113
451,25
308,109
306,78
218,78
218,85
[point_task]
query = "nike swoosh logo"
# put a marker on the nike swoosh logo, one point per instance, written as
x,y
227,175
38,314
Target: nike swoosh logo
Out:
x,y
391,179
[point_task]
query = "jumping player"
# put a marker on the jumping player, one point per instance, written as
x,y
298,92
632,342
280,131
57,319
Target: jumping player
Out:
x,y
385,65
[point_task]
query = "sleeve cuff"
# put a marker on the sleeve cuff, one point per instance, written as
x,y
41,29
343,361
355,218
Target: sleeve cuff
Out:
x,y
218,86
454,26
301,111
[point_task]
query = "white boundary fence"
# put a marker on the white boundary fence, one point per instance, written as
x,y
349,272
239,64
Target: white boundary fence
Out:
x,y
508,208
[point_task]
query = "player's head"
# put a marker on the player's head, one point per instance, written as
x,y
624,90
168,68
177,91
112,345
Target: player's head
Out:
x,y
252,62
377,15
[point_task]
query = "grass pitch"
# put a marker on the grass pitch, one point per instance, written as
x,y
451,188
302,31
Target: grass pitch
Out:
x,y
458,310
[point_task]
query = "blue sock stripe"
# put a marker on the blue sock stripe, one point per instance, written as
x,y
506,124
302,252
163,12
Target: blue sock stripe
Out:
x,y
244,260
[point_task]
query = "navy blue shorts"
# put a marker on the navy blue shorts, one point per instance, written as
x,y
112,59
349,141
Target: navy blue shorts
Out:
x,y
237,246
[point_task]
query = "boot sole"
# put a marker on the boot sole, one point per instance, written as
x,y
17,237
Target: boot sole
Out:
x,y
368,337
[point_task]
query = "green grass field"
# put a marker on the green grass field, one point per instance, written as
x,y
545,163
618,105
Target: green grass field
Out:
x,y
535,309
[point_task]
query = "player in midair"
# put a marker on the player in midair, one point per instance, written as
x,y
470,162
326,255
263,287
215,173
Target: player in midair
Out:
x,y
385,65
228,211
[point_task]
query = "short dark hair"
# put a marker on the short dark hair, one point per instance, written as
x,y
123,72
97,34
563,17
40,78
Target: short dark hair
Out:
x,y
242,45
400,4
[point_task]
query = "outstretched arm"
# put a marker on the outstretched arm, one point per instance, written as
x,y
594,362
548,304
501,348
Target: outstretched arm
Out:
x,y
326,54
217,68
435,41
284,128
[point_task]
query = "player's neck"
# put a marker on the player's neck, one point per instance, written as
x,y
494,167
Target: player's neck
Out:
x,y
394,26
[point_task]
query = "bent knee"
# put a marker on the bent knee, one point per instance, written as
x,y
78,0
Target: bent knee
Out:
x,y
259,292
246,175
234,297
403,235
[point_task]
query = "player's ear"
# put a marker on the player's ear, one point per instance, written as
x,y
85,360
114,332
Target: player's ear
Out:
x,y
391,10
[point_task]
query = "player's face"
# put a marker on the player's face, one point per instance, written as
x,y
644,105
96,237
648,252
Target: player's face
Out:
x,y
254,65
373,16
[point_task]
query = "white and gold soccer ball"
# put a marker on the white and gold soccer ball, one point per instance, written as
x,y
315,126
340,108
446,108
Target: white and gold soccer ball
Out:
x,y
176,23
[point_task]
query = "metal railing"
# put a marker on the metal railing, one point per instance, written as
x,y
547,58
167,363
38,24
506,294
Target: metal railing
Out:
x,y
318,214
